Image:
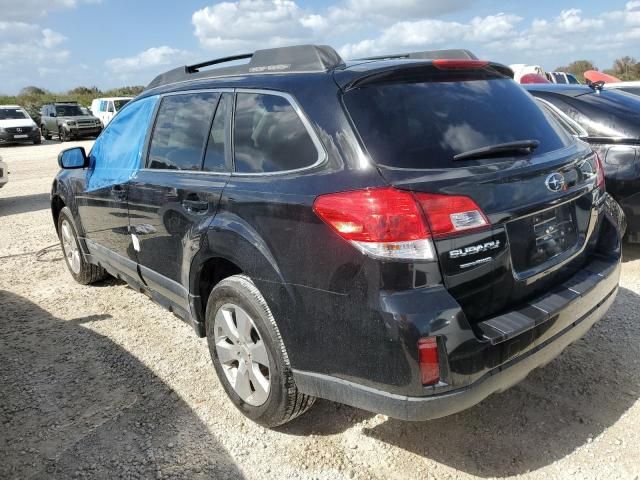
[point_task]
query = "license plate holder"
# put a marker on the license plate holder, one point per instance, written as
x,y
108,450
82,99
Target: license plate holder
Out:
x,y
21,136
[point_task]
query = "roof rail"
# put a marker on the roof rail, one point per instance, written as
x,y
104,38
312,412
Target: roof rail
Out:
x,y
452,54
294,59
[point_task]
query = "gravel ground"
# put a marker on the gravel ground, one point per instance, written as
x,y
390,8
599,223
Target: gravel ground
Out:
x,y
99,382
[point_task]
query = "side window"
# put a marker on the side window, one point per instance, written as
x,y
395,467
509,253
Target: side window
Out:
x,y
103,106
269,136
116,154
110,108
181,130
219,138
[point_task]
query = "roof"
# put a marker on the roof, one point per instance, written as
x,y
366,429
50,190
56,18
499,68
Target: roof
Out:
x,y
10,106
634,83
289,60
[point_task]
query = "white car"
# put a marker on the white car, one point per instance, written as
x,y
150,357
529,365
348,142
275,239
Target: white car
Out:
x,y
4,174
629,87
106,108
16,126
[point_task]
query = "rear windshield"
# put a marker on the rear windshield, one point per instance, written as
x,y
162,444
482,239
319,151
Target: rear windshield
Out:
x,y
424,124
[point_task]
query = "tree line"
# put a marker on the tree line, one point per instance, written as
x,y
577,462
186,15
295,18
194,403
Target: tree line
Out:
x,y
32,98
625,68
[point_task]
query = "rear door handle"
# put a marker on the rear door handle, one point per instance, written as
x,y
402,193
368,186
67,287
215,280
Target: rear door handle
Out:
x,y
195,206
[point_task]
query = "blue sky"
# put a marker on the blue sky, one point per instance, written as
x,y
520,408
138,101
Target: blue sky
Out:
x,y
59,44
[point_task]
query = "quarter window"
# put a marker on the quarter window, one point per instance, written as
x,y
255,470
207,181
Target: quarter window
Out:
x,y
269,136
217,148
181,130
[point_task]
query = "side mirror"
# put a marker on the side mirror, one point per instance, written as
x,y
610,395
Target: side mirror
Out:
x,y
52,114
73,158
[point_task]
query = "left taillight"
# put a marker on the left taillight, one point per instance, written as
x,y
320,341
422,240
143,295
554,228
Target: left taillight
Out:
x,y
396,224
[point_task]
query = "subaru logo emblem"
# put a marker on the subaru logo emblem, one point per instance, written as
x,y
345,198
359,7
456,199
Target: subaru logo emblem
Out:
x,y
555,182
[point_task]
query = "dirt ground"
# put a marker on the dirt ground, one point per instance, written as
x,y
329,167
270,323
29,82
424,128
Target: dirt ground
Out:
x,y
99,382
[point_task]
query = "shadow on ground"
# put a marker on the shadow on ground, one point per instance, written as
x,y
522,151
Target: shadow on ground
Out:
x,y
24,204
74,403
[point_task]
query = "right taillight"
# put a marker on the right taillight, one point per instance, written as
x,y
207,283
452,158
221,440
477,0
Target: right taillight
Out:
x,y
390,223
599,172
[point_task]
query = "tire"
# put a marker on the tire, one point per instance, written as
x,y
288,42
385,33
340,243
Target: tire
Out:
x,y
62,134
81,271
45,133
37,141
232,299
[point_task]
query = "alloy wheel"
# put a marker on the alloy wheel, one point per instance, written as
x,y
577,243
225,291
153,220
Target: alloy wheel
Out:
x,y
242,354
70,247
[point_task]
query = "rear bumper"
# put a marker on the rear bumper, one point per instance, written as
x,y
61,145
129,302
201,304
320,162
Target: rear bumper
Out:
x,y
569,314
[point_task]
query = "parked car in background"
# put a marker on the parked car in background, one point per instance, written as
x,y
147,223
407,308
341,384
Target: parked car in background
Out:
x,y
106,108
66,120
562,78
405,234
4,173
609,120
16,126
629,87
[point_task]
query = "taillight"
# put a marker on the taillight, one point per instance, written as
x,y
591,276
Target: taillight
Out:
x,y
390,223
599,172
450,214
458,64
428,360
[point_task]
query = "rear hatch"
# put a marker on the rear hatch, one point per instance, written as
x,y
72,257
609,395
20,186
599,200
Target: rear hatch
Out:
x,y
416,122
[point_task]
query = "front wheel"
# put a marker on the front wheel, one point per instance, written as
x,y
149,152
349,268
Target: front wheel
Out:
x,y
63,135
45,133
82,271
249,356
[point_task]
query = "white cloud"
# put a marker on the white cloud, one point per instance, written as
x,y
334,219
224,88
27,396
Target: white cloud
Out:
x,y
24,44
427,34
147,60
252,24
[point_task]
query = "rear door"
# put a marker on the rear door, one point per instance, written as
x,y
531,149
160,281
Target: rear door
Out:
x,y
174,199
539,203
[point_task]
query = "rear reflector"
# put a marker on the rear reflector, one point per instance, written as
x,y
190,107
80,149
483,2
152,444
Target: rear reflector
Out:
x,y
392,223
454,64
428,360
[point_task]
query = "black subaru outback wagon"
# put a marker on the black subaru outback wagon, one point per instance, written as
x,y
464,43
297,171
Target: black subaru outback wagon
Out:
x,y
406,234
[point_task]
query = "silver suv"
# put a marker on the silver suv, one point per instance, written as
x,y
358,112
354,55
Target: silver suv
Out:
x,y
68,122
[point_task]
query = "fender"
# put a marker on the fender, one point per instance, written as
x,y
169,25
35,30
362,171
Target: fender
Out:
x,y
231,238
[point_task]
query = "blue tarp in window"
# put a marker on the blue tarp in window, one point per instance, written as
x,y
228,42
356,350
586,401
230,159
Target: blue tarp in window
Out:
x,y
116,155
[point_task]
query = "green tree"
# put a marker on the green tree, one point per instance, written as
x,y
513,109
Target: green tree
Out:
x,y
626,68
32,91
85,91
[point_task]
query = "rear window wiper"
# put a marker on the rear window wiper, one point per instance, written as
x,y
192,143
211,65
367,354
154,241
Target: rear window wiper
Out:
x,y
520,147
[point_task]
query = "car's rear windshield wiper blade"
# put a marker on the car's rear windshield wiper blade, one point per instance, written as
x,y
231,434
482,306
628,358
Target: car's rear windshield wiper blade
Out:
x,y
520,147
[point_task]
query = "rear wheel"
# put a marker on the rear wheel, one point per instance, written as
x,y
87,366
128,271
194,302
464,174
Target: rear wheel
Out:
x,y
249,355
82,271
